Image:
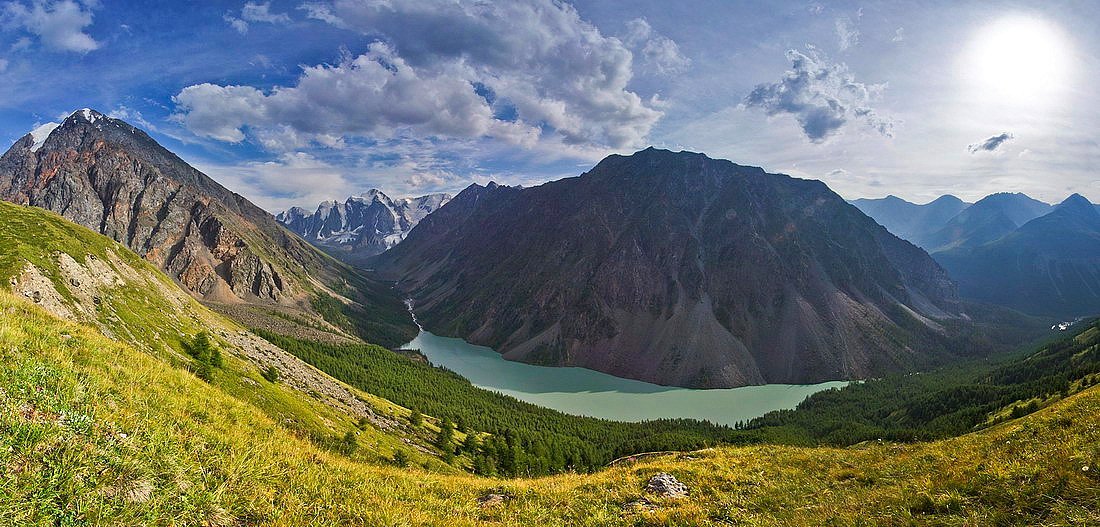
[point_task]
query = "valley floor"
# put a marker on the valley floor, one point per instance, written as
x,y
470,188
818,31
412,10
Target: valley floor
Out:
x,y
93,432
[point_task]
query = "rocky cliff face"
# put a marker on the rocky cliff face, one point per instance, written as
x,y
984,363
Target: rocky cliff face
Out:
x,y
677,269
362,226
113,178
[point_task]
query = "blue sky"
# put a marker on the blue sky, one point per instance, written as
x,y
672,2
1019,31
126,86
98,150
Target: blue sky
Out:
x,y
290,103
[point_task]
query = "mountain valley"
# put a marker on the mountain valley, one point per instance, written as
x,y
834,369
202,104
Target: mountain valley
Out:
x,y
286,412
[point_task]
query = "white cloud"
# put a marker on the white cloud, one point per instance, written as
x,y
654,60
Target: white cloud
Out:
x,y
822,95
376,94
257,12
132,116
899,35
240,25
59,25
522,71
3,65
294,178
254,12
661,54
847,33
322,12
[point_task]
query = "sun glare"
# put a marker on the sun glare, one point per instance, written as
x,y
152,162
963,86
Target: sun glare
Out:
x,y
1018,60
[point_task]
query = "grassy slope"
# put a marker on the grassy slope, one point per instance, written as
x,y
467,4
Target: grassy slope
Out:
x,y
93,432
149,312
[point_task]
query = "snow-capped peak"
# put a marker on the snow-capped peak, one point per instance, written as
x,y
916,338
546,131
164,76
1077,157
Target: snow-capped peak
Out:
x,y
40,134
90,115
87,115
366,224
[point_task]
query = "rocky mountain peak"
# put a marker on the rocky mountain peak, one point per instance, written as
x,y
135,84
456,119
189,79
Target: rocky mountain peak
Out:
x,y
361,226
674,268
112,177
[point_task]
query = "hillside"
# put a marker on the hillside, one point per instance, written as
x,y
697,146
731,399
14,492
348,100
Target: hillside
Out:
x,y
92,432
677,269
80,275
113,178
1050,265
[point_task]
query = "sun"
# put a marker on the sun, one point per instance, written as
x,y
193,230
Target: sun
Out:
x,y
1018,60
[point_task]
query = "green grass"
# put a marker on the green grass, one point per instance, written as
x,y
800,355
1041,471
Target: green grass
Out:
x,y
151,313
93,432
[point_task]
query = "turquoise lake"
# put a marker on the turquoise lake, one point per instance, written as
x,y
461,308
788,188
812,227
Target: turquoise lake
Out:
x,y
586,392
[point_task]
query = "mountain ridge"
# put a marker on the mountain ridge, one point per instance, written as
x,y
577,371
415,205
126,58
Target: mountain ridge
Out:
x,y
647,247
113,178
362,226
1049,265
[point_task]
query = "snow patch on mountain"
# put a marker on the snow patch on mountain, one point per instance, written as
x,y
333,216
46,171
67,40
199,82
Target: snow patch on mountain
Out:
x,y
362,225
40,134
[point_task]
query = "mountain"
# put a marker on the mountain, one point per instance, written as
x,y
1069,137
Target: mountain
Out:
x,y
911,221
113,178
989,219
129,430
362,226
1050,265
677,269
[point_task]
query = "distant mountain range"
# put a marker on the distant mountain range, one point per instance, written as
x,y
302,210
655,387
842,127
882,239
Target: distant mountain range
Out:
x,y
948,222
362,226
911,221
678,269
113,178
1009,249
1049,265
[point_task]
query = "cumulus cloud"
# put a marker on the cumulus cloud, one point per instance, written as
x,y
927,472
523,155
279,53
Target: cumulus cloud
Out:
x,y
661,54
377,94
821,95
255,12
58,25
293,178
846,33
519,70
991,144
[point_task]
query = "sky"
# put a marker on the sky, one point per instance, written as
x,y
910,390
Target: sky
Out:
x,y
295,102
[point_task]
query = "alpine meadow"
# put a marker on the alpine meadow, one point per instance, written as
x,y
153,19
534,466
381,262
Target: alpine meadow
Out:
x,y
549,262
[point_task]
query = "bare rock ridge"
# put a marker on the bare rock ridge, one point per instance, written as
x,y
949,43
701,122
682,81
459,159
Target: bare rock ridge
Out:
x,y
677,269
113,178
362,226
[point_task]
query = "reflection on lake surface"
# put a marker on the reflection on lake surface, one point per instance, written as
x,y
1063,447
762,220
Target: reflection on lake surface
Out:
x,y
580,391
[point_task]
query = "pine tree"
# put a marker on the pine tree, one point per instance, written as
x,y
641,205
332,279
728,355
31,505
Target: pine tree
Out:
x,y
445,439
